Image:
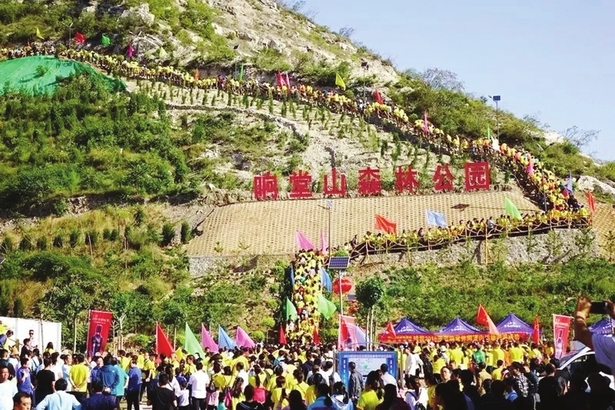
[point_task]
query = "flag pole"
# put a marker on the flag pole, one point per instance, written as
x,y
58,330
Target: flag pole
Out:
x,y
486,245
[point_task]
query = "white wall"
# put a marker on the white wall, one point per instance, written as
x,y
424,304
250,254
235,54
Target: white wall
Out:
x,y
44,332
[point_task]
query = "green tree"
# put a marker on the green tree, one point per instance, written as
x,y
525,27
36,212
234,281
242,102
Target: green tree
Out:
x,y
369,293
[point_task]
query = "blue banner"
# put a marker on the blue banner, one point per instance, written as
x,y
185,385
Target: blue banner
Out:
x,y
365,362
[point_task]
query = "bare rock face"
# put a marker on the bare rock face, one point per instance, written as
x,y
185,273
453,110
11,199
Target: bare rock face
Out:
x,y
587,183
141,12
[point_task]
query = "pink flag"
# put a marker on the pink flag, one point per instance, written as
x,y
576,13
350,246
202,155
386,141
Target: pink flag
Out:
x,y
530,167
207,341
242,338
287,80
130,51
279,79
323,243
303,242
425,122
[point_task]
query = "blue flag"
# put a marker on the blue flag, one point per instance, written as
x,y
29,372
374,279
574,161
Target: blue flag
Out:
x,y
435,219
224,340
325,280
292,276
569,183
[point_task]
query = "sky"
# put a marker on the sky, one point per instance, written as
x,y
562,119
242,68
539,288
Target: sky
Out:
x,y
551,59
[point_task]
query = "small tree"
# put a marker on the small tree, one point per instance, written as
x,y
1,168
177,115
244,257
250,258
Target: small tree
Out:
x,y
58,241
369,293
168,234
41,243
186,232
73,237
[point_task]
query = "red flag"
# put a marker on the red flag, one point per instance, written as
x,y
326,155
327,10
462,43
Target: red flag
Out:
x,y
79,38
536,331
282,335
315,336
378,97
482,318
280,79
390,329
163,346
196,74
287,80
591,202
383,224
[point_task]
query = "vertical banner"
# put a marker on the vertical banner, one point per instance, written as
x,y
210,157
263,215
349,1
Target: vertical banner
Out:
x,y
98,331
561,333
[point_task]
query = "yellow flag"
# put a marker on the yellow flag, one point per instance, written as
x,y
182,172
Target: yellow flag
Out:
x,y
179,353
38,34
339,81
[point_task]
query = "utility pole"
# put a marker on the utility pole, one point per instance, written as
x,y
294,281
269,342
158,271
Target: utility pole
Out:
x,y
496,99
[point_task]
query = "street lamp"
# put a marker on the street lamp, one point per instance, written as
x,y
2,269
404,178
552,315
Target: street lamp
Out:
x,y
496,99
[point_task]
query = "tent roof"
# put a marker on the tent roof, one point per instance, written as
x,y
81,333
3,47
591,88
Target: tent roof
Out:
x,y
512,324
458,326
602,327
406,327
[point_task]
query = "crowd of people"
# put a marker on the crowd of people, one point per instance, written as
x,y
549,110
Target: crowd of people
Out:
x,y
480,375
437,237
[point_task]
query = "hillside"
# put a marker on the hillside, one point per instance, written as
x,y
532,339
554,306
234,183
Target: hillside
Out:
x,y
102,192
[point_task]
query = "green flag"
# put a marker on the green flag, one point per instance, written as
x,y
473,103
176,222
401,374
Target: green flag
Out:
x,y
38,34
339,81
241,73
191,343
326,307
291,311
488,133
105,41
511,209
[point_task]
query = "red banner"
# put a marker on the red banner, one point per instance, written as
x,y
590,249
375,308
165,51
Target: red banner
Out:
x,y
98,331
561,333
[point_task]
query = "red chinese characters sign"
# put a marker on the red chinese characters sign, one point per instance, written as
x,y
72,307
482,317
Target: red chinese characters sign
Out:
x,y
265,186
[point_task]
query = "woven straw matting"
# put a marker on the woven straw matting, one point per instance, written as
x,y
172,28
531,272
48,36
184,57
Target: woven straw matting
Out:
x,y
268,227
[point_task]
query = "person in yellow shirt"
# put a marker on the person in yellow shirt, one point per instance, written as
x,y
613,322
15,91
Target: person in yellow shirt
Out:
x,y
79,374
535,353
496,374
300,385
456,354
498,353
369,398
124,360
516,353
279,396
438,364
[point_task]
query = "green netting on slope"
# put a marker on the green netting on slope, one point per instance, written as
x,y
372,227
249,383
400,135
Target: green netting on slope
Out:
x,y
24,74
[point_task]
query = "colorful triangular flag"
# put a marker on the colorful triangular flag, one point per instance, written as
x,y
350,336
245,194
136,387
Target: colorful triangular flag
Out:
x,y
208,342
224,340
483,318
325,307
79,38
325,280
390,329
191,343
425,123
290,311
569,183
282,335
435,219
383,224
105,40
591,202
303,242
38,34
378,97
339,81
315,336
511,209
163,346
243,339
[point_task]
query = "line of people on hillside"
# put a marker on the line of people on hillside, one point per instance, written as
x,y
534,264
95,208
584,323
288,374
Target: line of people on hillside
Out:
x,y
539,183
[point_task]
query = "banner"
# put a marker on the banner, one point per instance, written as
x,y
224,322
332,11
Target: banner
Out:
x,y
365,362
98,331
561,333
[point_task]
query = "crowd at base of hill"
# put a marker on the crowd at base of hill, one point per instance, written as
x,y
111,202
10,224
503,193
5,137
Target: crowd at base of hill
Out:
x,y
505,375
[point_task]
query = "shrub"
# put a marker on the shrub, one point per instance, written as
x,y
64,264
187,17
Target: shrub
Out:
x,y
58,241
114,235
186,232
168,234
91,237
41,243
25,244
74,237
7,245
106,234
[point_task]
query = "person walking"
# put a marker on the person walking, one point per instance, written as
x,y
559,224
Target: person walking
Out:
x,y
60,400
